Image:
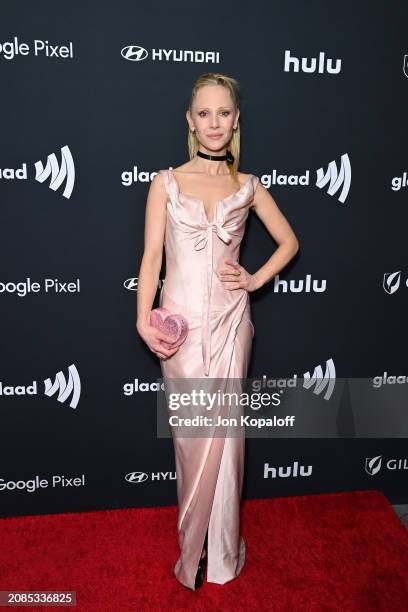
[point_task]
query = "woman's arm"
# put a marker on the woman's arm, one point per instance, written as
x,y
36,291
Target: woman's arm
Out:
x,y
155,224
277,225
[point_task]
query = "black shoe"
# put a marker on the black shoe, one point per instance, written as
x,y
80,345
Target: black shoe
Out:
x,y
202,565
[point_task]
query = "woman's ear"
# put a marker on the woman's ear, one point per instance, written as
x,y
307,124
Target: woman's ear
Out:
x,y
237,117
189,121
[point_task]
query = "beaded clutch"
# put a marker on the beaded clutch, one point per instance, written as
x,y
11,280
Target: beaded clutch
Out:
x,y
174,325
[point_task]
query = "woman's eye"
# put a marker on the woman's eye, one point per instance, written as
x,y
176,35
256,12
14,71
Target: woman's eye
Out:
x,y
201,113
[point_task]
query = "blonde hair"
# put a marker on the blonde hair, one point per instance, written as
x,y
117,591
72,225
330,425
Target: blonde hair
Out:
x,y
217,78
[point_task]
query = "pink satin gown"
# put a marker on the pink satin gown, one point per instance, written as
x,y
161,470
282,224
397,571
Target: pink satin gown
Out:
x,y
210,469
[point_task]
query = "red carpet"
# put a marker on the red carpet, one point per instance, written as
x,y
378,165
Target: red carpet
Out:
x,y
344,551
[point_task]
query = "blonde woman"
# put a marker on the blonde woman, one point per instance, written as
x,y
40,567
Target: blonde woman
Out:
x,y
198,212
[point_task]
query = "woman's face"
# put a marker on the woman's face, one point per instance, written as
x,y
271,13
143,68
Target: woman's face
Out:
x,y
213,117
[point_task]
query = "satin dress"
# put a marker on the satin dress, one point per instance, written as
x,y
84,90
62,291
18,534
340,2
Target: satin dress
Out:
x,y
210,468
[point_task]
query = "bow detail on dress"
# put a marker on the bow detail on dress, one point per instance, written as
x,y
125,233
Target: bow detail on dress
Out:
x,y
216,226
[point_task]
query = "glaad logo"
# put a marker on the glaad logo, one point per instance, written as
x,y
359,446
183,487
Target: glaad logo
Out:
x,y
135,53
129,177
138,386
389,379
10,49
392,282
317,379
290,471
374,464
337,179
58,173
65,388
60,385
310,65
138,477
405,65
301,286
321,381
397,182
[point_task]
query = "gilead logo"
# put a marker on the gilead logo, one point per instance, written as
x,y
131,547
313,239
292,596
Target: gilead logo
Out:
x,y
392,282
36,483
374,464
405,65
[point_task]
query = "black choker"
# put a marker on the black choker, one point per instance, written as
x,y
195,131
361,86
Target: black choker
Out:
x,y
229,157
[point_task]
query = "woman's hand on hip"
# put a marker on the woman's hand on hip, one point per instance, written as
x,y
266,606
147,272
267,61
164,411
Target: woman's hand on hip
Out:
x,y
234,276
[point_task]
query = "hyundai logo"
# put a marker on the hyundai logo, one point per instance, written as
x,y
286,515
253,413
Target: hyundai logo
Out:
x,y
134,53
136,477
131,284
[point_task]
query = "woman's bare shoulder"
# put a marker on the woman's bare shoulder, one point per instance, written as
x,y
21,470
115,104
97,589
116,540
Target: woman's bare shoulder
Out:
x,y
243,177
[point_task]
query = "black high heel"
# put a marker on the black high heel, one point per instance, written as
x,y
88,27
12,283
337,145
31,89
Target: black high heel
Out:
x,y
202,565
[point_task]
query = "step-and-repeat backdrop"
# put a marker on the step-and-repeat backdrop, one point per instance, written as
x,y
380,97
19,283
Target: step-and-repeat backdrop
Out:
x,y
93,100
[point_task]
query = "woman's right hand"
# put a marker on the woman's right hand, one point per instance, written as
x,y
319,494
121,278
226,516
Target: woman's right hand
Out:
x,y
154,338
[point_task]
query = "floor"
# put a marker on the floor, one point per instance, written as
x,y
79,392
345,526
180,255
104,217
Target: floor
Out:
x,y
402,511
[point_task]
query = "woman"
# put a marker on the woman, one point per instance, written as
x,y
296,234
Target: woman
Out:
x,y
199,212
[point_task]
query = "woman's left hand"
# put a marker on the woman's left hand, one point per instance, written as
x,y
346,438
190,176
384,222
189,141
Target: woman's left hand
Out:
x,y
234,276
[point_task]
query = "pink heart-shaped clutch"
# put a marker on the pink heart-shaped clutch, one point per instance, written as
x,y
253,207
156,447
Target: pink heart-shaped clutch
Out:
x,y
174,325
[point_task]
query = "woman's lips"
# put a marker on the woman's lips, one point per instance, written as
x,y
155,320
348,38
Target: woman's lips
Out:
x,y
215,136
